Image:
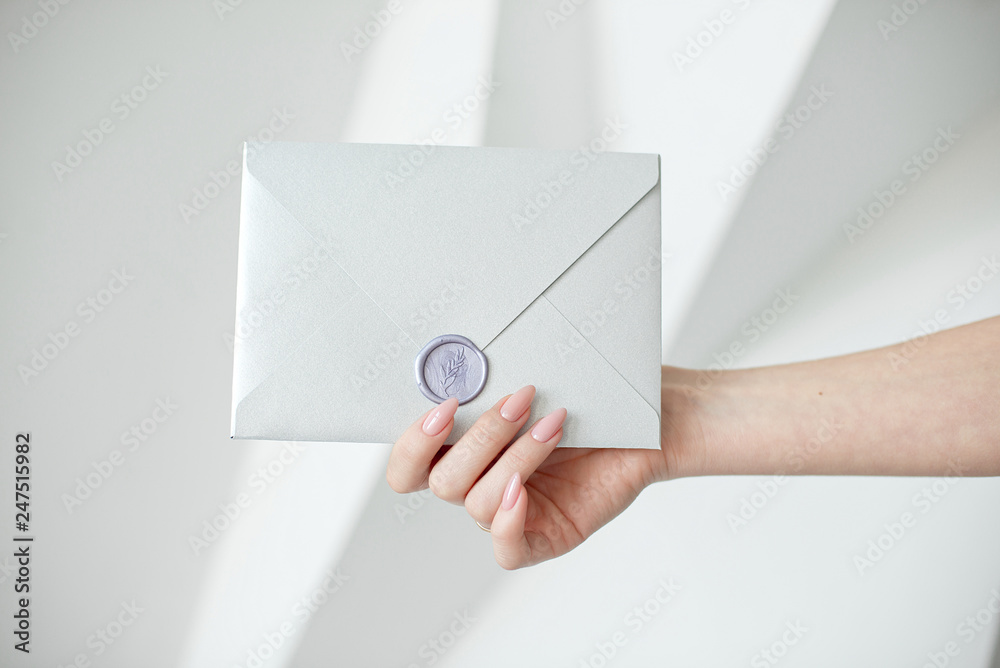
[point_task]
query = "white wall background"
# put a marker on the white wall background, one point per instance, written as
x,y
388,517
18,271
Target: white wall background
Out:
x,y
405,576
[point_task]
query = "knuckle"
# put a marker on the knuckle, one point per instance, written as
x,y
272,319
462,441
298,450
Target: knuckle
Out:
x,y
476,506
401,473
392,477
434,482
507,563
516,460
420,486
438,483
512,559
404,455
486,432
638,473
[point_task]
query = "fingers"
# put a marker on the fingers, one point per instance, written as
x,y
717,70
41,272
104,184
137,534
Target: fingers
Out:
x,y
510,547
523,456
480,470
410,461
453,476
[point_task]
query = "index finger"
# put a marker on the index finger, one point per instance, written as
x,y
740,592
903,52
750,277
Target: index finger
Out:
x,y
410,460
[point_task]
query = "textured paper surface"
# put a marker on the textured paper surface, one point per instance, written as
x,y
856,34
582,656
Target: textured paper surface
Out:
x,y
344,276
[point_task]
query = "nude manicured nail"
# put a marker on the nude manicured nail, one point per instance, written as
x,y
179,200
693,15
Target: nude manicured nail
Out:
x,y
438,418
548,425
517,403
510,494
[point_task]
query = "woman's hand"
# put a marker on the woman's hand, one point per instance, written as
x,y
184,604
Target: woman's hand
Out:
x,y
538,501
928,410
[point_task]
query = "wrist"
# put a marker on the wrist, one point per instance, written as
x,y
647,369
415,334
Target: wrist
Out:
x,y
760,421
683,437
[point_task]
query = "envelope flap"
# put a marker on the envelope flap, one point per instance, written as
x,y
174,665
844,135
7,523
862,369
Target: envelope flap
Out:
x,y
452,240
286,288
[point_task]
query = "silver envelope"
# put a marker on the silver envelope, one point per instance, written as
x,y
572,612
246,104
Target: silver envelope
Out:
x,y
353,256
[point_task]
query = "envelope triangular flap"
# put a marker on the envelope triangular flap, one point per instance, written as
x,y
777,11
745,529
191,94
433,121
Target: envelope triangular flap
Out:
x,y
452,240
287,287
611,297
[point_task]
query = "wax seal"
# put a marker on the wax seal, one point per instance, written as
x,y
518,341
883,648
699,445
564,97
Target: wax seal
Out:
x,y
451,366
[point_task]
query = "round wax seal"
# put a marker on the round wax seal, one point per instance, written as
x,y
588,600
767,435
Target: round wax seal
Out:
x,y
451,366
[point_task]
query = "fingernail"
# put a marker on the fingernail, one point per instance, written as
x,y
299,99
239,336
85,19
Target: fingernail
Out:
x,y
548,425
510,494
439,417
517,403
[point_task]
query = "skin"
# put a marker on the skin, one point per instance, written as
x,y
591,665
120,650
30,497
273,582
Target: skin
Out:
x,y
923,408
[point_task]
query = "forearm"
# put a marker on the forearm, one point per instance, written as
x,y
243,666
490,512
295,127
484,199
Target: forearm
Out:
x,y
908,409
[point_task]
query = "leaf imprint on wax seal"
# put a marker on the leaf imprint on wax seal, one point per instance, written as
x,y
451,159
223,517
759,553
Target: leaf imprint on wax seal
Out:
x,y
454,370
449,366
